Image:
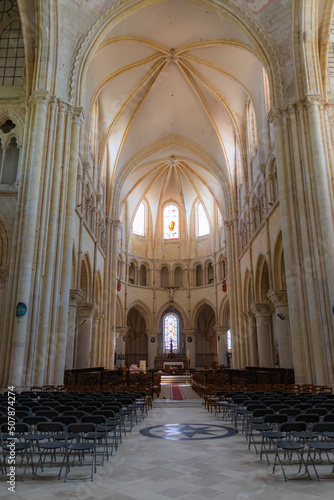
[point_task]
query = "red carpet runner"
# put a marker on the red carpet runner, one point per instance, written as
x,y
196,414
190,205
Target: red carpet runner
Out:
x,y
176,393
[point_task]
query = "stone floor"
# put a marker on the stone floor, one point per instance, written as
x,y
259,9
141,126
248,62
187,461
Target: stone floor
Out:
x,y
145,468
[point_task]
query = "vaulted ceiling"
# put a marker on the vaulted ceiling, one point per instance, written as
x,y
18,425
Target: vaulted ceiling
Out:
x,y
172,83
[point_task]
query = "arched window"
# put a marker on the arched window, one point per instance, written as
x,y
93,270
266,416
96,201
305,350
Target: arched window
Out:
x,y
202,221
12,54
252,136
266,91
143,275
138,226
229,340
171,222
164,276
178,276
132,271
210,274
171,333
199,275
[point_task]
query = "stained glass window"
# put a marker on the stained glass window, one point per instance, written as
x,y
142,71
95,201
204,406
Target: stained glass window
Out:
x,y
229,340
171,222
138,226
202,221
171,333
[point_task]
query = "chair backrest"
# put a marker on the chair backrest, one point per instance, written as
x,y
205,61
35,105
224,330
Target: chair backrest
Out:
x,y
317,411
289,427
275,419
307,417
95,419
80,427
329,417
50,427
76,413
321,427
33,420
262,412
106,413
65,419
47,413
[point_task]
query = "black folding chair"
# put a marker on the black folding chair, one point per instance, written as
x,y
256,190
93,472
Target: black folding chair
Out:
x,y
53,446
288,446
322,445
80,448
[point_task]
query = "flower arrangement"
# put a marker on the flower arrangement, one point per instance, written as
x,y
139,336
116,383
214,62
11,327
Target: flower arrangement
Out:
x,y
173,369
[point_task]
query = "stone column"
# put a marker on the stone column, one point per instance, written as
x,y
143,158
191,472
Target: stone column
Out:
x,y
190,335
60,347
286,197
34,167
251,337
281,327
221,332
84,340
263,313
111,326
48,285
75,296
121,332
152,346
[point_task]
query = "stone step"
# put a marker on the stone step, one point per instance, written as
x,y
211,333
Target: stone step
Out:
x,y
188,403
175,379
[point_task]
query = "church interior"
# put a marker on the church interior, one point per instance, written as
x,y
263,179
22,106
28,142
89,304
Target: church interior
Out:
x,y
166,197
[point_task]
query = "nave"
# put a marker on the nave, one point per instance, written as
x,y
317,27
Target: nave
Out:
x,y
189,469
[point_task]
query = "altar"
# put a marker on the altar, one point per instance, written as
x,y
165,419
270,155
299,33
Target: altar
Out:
x,y
171,359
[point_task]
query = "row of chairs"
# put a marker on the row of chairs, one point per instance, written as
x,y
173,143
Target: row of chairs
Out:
x,y
287,426
58,424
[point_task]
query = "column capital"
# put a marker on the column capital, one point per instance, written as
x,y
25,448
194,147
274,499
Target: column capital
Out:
x,y
121,331
312,100
221,330
78,115
275,116
62,106
278,297
152,332
75,295
190,332
40,97
116,224
87,309
261,309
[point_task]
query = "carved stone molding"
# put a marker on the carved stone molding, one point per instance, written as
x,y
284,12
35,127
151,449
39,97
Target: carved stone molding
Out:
x,y
261,310
87,310
278,297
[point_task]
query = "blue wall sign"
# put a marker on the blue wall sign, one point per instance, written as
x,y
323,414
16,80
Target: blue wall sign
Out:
x,y
21,309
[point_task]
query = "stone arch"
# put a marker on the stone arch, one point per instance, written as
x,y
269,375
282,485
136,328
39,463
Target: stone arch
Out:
x,y
262,280
85,278
136,348
144,311
206,336
198,307
224,313
248,291
119,311
176,306
178,275
279,276
91,39
98,290
164,276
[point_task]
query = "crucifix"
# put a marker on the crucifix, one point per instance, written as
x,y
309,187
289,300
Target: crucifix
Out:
x,y
171,289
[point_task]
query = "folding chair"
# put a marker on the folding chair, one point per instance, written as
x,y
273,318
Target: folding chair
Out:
x,y
54,444
20,441
80,447
323,444
288,445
